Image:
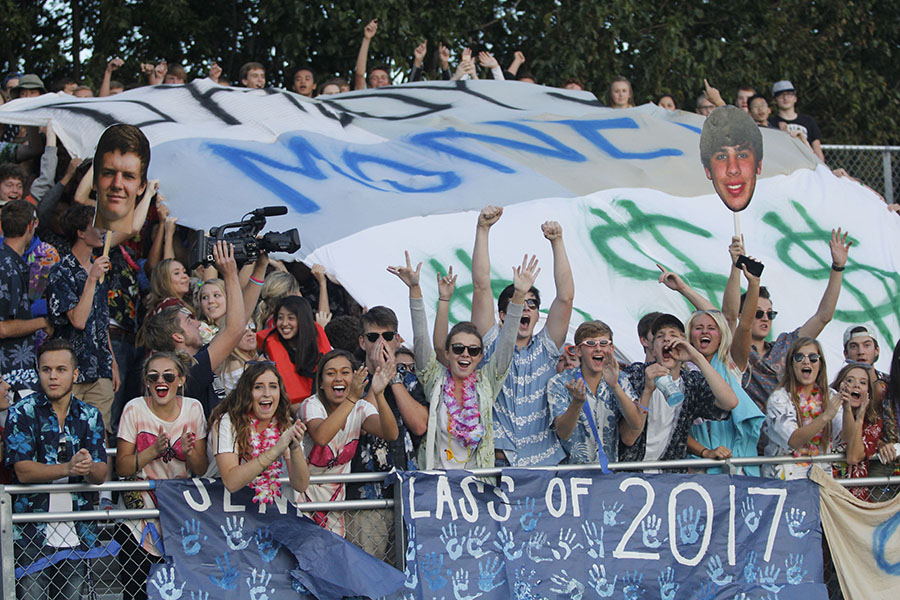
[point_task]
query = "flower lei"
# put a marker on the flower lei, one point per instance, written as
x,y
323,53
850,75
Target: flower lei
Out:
x,y
266,484
464,421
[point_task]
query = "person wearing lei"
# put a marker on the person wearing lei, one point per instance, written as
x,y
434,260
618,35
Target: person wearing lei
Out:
x,y
460,389
254,438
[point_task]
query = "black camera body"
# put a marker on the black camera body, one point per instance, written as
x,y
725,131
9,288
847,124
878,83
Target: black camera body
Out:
x,y
247,246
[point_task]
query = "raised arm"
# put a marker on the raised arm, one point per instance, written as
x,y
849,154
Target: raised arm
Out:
x,y
78,314
731,299
840,248
111,66
228,336
487,60
363,56
712,94
523,280
482,294
518,61
740,347
446,285
724,394
253,288
561,308
444,57
323,312
421,343
674,282
382,425
418,61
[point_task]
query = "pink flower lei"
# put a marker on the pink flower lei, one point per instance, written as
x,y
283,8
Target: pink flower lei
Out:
x,y
266,484
464,421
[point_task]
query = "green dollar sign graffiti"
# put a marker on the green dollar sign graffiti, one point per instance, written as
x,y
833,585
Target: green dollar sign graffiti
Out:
x,y
874,312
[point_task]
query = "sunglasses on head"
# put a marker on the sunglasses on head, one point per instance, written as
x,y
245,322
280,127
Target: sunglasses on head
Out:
x,y
769,313
373,336
458,349
532,303
595,343
153,377
812,356
265,363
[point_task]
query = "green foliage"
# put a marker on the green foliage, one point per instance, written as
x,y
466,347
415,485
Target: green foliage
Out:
x,y
840,56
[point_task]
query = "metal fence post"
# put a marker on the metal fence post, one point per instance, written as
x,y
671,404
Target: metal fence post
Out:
x,y
888,176
399,527
7,554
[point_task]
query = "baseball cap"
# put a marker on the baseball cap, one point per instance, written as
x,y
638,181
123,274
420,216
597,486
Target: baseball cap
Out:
x,y
782,86
855,331
11,75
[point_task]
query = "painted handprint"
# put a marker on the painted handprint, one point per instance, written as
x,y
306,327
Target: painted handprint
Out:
x,y
200,595
529,519
266,544
594,541
631,585
667,585
716,571
234,533
750,567
795,571
507,544
689,526
451,541
258,582
567,585
431,565
768,578
165,583
460,581
536,545
597,580
565,545
190,537
525,583
487,573
228,580
412,574
750,515
708,591
650,531
477,537
794,519
611,512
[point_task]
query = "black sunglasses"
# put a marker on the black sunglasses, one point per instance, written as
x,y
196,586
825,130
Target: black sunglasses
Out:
x,y
532,303
458,349
769,313
799,356
405,368
153,377
373,336
265,363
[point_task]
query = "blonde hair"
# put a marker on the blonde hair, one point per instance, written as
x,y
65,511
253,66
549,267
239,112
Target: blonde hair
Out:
x,y
723,352
199,291
161,285
277,285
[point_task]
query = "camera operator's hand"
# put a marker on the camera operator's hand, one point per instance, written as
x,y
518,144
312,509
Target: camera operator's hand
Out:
x,y
223,254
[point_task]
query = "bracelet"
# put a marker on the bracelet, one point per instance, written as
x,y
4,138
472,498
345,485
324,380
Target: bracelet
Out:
x,y
256,281
702,451
443,299
834,267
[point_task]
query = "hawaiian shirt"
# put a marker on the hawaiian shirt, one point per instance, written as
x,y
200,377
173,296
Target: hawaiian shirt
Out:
x,y
124,292
32,434
91,345
16,354
765,370
581,447
374,454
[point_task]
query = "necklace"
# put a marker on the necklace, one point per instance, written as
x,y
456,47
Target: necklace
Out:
x,y
463,421
266,484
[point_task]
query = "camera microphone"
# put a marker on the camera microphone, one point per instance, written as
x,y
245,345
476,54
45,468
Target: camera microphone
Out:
x,y
270,211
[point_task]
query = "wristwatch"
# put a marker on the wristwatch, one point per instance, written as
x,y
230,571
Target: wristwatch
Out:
x,y
397,378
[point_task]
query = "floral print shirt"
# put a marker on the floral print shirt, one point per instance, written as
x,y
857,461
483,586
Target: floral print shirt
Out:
x,y
16,354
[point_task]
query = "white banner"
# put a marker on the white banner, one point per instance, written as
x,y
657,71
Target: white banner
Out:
x,y
368,174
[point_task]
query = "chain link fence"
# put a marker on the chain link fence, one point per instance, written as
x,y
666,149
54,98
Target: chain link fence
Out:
x,y
872,165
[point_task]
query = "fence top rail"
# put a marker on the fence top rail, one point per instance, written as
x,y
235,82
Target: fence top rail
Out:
x,y
860,147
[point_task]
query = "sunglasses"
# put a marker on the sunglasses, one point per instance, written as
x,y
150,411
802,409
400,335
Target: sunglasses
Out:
x,y
769,313
153,377
373,336
458,349
799,356
532,303
595,343
570,349
265,363
405,368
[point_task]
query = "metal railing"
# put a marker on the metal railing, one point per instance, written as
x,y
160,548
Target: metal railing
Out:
x,y
873,165
105,572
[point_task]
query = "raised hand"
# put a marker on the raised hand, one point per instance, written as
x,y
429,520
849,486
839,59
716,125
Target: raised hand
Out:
x,y
446,284
383,375
223,255
489,215
736,248
486,60
371,29
840,247
215,71
518,57
671,280
712,94
114,64
552,230
610,368
407,274
577,390
420,52
444,55
358,383
525,275
318,271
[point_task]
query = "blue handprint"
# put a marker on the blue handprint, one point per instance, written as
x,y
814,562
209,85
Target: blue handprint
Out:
x,y
266,544
667,585
535,547
707,591
528,520
689,526
460,581
412,575
450,539
565,544
794,519
716,571
750,567
234,533
506,544
597,580
795,571
631,585
200,595
431,565
768,578
567,585
477,537
228,580
165,584
610,513
750,515
190,537
650,532
525,583
594,540
487,573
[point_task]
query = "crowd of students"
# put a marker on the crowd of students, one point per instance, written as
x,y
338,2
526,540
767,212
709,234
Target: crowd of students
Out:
x,y
257,372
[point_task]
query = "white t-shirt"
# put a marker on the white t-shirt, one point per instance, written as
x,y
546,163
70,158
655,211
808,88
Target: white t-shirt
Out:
x,y
661,419
462,458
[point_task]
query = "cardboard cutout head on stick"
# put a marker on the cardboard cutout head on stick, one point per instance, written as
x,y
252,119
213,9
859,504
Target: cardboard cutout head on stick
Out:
x,y
731,151
120,176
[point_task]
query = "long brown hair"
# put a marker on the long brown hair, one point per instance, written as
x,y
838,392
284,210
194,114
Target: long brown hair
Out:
x,y
239,406
161,286
789,380
873,410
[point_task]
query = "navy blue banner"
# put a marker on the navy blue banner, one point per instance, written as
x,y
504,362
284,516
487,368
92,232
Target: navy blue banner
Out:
x,y
223,546
586,535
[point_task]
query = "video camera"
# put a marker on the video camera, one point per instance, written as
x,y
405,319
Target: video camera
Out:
x,y
247,246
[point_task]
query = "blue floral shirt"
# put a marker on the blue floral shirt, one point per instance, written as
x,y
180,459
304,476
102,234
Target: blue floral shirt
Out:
x,y
32,434
16,354
91,345
581,447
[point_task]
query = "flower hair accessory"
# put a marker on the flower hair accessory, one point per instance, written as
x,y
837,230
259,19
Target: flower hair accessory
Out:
x,y
463,422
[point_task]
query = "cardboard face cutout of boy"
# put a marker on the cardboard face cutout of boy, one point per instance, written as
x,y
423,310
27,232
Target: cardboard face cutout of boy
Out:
x,y
120,176
731,151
